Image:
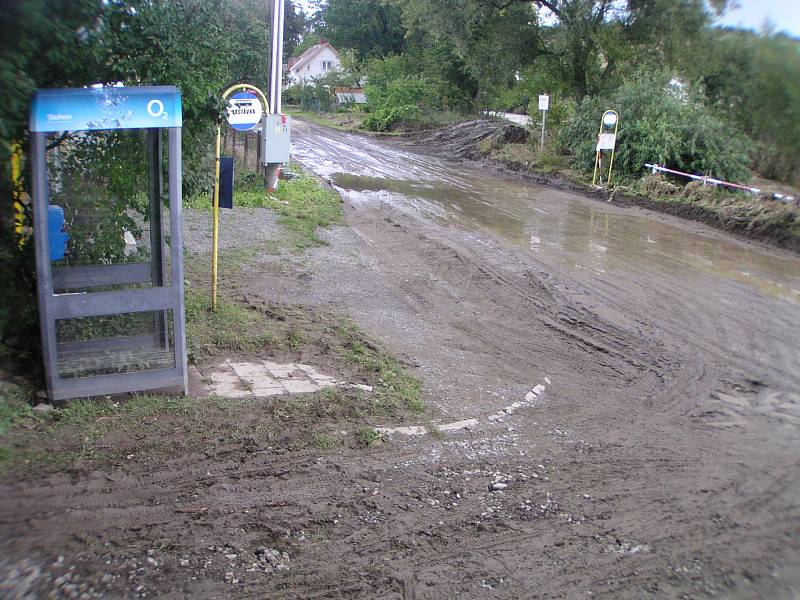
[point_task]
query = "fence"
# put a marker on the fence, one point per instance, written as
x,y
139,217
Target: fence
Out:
x,y
243,146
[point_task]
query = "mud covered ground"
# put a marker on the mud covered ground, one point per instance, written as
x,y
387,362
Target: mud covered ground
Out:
x,y
656,458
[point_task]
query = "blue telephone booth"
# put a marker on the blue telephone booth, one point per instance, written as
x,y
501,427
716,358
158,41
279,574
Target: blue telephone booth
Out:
x,y
106,167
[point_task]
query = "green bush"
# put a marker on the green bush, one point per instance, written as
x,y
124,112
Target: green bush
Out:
x,y
659,123
399,100
313,96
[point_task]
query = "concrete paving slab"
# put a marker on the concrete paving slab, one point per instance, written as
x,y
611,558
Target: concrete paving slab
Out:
x,y
261,379
300,386
281,371
265,392
252,372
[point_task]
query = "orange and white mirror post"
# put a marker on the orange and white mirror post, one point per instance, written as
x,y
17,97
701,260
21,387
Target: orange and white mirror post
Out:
x,y
606,144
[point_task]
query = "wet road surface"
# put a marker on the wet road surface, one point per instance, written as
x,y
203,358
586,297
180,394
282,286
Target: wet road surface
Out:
x,y
561,228
672,349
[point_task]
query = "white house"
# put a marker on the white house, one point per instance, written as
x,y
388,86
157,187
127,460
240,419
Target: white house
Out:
x,y
317,61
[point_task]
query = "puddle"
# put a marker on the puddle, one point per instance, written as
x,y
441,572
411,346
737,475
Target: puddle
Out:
x,y
578,233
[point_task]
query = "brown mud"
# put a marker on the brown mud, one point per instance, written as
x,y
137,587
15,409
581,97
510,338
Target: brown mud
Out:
x,y
659,458
781,227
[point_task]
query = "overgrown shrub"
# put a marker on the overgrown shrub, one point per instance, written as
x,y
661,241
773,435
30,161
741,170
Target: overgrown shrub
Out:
x,y
315,96
399,100
659,123
402,89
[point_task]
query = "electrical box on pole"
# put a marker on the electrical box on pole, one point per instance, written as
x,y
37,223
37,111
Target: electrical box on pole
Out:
x,y
275,127
275,131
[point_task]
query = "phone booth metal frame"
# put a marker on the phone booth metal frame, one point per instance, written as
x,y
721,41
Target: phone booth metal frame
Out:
x,y
90,109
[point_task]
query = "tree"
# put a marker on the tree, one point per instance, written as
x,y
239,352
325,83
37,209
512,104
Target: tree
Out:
x,y
295,26
370,27
492,44
754,82
584,41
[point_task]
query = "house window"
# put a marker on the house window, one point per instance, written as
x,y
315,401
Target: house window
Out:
x,y
327,65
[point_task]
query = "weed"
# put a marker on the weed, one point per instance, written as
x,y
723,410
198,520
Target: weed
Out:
x,y
349,121
367,437
233,326
323,441
395,388
14,407
296,339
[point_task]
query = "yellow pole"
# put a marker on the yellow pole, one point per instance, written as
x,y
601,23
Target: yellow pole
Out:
x,y
18,195
215,251
598,165
596,160
614,149
215,199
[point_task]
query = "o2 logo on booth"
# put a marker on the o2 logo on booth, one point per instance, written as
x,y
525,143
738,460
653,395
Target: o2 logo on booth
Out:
x,y
155,108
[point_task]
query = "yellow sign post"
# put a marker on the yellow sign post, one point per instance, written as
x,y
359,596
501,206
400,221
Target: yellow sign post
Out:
x,y
606,140
215,244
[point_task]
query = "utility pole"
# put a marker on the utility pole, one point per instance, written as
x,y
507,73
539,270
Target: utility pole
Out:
x,y
276,14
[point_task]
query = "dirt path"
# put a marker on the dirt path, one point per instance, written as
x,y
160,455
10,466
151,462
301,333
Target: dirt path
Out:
x,y
658,459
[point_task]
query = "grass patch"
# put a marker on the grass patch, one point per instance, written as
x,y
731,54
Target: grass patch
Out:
x,y
14,408
345,121
525,156
395,388
233,327
56,440
367,437
323,441
304,205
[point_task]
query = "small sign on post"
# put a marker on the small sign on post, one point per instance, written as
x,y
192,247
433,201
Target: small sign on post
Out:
x,y
544,106
245,104
606,140
544,102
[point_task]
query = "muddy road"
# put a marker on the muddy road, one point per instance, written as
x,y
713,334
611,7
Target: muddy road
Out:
x,y
635,379
669,352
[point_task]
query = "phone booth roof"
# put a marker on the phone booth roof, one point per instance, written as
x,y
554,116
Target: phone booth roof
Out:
x,y
108,107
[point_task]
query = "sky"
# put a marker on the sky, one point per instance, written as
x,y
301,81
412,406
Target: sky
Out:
x,y
751,14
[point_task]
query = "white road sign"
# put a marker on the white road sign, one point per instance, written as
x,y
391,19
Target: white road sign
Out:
x,y
606,141
544,102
